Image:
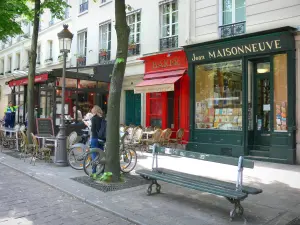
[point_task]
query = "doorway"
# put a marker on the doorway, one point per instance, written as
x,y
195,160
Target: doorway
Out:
x,y
133,108
262,105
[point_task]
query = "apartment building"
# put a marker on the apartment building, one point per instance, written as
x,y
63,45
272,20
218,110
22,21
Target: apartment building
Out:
x,y
244,69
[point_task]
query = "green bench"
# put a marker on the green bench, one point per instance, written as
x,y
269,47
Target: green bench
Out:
x,y
233,192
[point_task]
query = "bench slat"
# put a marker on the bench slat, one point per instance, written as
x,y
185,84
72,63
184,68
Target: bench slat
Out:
x,y
221,191
205,157
246,189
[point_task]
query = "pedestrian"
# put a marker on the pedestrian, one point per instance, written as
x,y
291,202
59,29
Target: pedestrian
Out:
x,y
97,121
10,115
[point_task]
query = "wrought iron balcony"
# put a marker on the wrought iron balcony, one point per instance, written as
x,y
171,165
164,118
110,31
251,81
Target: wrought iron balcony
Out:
x,y
169,42
104,56
83,7
81,61
133,49
232,29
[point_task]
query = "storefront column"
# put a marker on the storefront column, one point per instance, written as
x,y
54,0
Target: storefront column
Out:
x,y
297,38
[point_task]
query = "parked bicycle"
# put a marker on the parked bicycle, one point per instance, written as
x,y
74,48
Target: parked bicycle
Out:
x,y
128,158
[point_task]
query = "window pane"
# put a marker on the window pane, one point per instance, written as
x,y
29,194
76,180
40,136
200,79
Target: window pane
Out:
x,y
280,92
240,14
137,38
239,3
227,18
175,29
175,17
175,6
138,17
166,19
138,27
219,96
263,68
166,8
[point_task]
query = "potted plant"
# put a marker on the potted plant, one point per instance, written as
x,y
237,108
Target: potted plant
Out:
x,y
80,58
103,52
131,46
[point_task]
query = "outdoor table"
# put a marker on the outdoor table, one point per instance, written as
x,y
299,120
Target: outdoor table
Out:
x,y
148,133
12,130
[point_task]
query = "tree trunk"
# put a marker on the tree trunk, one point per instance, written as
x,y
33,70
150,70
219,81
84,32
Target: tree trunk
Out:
x,y
113,111
32,65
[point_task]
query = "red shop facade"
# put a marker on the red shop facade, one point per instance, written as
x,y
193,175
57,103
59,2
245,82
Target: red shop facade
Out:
x,y
166,85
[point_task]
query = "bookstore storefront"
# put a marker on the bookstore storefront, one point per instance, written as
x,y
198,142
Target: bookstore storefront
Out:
x,y
243,96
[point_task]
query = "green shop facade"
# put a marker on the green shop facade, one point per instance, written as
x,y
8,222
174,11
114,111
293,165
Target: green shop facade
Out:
x,y
243,96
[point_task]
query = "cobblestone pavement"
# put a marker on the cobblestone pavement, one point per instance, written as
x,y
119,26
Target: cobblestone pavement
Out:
x,y
26,201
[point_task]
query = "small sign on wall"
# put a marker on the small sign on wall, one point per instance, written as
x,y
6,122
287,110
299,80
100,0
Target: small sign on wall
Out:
x,y
267,107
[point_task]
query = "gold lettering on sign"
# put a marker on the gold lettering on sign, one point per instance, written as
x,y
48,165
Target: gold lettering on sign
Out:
x,y
166,63
242,49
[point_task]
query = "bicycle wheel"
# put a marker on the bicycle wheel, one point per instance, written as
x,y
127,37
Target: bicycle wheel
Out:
x,y
90,164
76,156
128,160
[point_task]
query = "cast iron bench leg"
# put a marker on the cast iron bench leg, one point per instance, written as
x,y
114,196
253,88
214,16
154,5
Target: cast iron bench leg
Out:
x,y
237,209
158,187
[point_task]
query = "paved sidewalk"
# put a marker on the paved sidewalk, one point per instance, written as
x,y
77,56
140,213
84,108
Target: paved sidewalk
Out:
x,y
25,201
278,204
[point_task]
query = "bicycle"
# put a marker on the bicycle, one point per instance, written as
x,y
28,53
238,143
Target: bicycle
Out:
x,y
78,152
128,158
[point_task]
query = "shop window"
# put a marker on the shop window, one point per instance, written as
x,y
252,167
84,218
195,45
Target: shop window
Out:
x,y
70,83
103,86
169,25
156,109
280,93
87,84
46,104
134,23
86,101
218,95
104,42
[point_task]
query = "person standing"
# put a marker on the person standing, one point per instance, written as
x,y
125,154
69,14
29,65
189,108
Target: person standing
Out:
x,y
95,128
79,114
10,115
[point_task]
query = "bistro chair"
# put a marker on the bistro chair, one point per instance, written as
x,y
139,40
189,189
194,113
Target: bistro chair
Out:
x,y
22,127
39,153
26,148
137,134
71,140
178,139
165,137
153,140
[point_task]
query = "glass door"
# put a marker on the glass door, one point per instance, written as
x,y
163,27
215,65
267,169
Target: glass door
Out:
x,y
262,105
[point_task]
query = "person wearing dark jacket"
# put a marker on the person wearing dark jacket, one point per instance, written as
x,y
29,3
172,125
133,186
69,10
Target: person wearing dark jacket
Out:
x,y
95,128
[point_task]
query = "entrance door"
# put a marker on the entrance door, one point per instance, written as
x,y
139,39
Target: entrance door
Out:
x,y
262,107
133,108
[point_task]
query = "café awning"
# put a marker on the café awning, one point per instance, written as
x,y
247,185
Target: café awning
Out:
x,y
156,85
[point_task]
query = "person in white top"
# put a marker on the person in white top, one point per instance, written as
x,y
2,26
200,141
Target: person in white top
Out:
x,y
79,114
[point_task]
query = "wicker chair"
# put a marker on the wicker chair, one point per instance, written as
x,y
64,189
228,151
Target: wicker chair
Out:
x,y
26,148
153,140
165,137
137,134
178,139
39,152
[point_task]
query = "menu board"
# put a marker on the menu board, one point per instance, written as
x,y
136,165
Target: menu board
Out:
x,y
44,126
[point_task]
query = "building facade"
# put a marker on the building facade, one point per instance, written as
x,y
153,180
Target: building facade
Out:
x,y
244,67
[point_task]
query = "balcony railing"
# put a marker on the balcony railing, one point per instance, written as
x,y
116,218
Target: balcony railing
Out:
x,y
169,42
83,7
81,61
133,49
232,30
104,56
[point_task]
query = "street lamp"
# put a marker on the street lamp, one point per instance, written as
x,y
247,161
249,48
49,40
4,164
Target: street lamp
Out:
x,y
65,39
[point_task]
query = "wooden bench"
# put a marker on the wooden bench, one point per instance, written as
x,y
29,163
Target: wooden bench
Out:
x,y
233,192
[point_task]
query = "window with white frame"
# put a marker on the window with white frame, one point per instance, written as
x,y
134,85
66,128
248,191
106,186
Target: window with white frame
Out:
x,y
83,5
134,23
9,64
67,10
81,47
18,61
1,66
169,19
234,11
38,56
50,51
104,42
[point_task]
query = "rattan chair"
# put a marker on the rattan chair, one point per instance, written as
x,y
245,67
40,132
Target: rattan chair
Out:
x,y
178,140
39,153
155,139
25,147
165,137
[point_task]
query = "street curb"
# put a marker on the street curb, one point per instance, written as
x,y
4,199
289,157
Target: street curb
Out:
x,y
75,196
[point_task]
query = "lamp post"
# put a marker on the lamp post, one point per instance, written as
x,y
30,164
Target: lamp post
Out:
x,y
65,39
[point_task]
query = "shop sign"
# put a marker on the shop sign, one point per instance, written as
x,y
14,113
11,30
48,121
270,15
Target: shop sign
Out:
x,y
166,63
243,47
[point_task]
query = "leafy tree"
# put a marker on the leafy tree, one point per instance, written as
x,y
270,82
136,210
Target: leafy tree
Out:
x,y
11,12
57,8
113,110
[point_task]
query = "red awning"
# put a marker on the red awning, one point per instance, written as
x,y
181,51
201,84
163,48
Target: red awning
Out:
x,y
172,73
156,85
37,79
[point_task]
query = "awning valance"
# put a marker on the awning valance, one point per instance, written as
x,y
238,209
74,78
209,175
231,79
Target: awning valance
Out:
x,y
156,85
172,73
37,79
